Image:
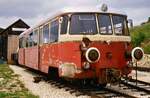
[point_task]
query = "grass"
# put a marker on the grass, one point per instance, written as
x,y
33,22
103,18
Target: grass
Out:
x,y
141,37
10,86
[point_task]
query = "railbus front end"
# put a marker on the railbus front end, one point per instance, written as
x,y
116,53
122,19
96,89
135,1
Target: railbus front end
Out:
x,y
102,43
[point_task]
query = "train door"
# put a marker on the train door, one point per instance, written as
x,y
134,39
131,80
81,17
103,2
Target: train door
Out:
x,y
54,53
44,48
40,47
21,52
32,50
48,47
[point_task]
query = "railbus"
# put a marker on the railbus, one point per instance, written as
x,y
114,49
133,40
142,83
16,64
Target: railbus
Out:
x,y
80,44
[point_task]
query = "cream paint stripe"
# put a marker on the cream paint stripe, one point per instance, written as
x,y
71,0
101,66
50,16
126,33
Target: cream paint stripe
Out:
x,y
64,38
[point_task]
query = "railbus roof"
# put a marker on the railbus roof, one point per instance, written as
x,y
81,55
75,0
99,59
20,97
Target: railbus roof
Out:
x,y
70,10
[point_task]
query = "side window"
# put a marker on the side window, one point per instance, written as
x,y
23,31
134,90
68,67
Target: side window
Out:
x,y
27,42
35,37
24,42
41,35
30,40
21,43
64,24
46,33
54,31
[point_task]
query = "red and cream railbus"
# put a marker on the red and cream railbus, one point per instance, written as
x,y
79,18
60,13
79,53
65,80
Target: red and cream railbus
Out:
x,y
79,44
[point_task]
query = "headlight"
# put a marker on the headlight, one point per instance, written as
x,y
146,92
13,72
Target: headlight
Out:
x,y
92,55
137,53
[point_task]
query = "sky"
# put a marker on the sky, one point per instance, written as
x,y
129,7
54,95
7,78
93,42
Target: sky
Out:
x,y
34,11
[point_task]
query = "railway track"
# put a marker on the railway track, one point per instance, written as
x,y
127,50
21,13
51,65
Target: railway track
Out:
x,y
137,84
145,69
120,91
89,90
125,90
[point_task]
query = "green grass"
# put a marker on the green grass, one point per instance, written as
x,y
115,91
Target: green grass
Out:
x,y
141,37
10,86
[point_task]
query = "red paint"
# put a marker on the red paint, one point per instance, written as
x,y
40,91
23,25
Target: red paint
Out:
x,y
55,54
21,55
31,57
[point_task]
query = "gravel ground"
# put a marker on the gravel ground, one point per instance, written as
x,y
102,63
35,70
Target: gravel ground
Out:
x,y
42,89
143,76
145,62
46,90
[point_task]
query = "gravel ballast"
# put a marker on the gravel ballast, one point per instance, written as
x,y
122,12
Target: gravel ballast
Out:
x,y
46,90
42,89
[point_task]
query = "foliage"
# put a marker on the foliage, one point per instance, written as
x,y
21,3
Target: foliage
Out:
x,y
141,36
138,39
147,49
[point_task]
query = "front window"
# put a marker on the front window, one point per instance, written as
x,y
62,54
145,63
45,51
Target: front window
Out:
x,y
119,24
83,24
108,24
105,26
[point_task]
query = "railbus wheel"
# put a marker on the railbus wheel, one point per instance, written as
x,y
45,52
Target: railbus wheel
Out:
x,y
97,84
53,73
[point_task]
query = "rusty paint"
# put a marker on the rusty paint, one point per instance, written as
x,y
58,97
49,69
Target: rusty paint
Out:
x,y
54,55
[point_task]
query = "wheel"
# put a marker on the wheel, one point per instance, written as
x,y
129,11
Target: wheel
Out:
x,y
96,84
53,73
102,85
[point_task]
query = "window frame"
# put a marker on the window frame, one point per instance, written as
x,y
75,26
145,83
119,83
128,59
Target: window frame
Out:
x,y
21,42
82,33
126,30
40,35
56,19
36,30
108,14
30,40
60,24
48,33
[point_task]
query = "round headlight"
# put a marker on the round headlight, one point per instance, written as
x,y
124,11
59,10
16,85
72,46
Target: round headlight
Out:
x,y
137,53
92,55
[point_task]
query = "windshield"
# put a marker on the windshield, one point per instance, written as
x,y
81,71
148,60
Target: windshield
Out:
x,y
119,23
105,26
83,24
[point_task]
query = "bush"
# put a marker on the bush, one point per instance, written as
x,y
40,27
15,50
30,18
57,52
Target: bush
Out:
x,y
147,49
138,39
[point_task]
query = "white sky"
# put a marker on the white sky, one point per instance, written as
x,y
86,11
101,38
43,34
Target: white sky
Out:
x,y
33,11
